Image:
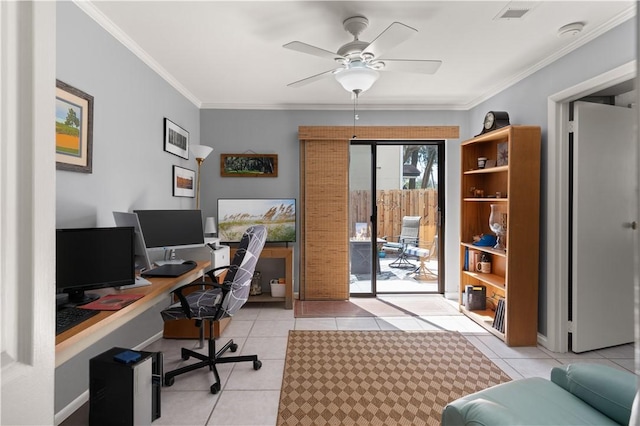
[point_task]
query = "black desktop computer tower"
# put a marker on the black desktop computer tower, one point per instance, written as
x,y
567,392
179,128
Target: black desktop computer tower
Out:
x,y
124,387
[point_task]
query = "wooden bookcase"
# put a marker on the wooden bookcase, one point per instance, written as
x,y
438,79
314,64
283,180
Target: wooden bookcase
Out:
x,y
514,271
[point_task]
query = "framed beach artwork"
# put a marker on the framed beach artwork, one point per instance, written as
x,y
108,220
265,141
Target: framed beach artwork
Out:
x,y
74,129
176,139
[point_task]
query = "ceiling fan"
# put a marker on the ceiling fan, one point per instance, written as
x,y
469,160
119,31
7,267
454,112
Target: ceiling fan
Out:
x,y
361,60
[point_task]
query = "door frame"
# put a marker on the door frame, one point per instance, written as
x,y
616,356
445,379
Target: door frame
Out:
x,y
27,210
557,212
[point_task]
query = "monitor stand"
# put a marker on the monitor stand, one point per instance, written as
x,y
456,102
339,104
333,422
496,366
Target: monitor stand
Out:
x,y
169,258
79,298
140,282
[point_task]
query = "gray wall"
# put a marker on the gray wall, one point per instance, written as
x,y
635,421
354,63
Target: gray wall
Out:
x,y
526,103
265,132
130,167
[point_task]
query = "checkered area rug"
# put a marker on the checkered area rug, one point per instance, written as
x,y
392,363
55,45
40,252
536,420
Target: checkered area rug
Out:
x,y
379,377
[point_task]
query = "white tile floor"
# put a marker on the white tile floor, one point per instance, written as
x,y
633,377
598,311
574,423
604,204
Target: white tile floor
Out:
x,y
250,397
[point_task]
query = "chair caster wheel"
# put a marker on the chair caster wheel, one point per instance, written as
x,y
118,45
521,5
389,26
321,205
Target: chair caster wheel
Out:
x,y
169,381
215,388
257,365
185,355
233,347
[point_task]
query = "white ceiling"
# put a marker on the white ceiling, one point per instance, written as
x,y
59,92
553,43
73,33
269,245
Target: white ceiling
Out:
x,y
229,54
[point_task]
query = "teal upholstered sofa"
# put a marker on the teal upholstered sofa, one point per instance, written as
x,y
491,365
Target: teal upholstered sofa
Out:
x,y
577,394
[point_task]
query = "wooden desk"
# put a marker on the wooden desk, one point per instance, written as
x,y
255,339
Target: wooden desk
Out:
x,y
285,253
85,334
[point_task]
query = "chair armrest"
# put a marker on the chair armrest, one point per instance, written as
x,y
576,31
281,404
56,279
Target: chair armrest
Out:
x,y
211,274
607,389
179,292
408,240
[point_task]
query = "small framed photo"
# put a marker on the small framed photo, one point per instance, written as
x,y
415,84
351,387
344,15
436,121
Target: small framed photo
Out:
x,y
502,159
74,129
184,182
176,139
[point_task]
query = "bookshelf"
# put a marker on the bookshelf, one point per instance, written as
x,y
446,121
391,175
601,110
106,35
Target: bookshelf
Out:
x,y
513,187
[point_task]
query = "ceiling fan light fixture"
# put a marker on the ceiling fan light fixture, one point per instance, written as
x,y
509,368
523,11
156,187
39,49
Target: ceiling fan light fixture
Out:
x,y
357,79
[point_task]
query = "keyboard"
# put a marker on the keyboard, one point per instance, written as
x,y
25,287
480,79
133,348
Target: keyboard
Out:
x,y
70,317
170,270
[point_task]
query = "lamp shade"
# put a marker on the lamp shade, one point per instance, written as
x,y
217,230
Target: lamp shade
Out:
x,y
357,78
210,225
200,151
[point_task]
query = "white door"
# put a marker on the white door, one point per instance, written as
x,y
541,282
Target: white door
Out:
x,y
604,206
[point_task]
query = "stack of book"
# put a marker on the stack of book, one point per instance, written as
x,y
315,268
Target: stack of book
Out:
x,y
498,319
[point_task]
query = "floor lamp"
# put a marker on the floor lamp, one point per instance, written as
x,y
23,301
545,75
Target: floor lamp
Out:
x,y
200,152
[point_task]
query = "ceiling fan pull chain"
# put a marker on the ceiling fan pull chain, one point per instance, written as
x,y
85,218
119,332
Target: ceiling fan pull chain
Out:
x,y
355,111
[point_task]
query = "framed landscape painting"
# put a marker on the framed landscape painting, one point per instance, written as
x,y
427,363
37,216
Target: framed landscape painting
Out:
x,y
74,129
249,165
183,182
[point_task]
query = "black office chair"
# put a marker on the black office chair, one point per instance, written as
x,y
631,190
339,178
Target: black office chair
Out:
x,y
215,301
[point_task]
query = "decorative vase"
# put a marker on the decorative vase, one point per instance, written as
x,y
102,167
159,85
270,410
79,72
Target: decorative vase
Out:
x,y
498,224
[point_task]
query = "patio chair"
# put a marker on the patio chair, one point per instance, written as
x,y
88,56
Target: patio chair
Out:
x,y
409,236
425,255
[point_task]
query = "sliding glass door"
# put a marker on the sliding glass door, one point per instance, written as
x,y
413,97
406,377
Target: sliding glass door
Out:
x,y
395,213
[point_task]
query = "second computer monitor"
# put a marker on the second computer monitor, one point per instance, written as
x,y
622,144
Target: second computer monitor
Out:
x,y
171,229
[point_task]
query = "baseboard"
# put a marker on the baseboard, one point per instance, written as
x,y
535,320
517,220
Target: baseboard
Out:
x,y
149,341
74,406
542,340
451,295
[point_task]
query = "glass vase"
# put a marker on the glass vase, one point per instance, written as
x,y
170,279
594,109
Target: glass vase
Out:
x,y
498,225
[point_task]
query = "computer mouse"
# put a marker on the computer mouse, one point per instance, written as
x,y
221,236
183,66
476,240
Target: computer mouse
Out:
x,y
189,262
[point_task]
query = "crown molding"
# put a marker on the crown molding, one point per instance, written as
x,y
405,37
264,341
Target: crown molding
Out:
x,y
108,25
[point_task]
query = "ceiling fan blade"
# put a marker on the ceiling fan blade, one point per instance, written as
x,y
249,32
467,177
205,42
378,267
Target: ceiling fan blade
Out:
x,y
411,65
395,34
299,46
312,79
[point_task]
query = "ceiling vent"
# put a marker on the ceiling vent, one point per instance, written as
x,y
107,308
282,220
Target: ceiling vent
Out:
x,y
515,10
513,13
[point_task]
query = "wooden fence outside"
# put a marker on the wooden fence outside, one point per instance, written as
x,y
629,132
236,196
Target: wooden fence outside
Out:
x,y
393,205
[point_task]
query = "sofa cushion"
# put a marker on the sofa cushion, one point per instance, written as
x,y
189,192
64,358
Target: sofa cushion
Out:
x,y
532,401
605,388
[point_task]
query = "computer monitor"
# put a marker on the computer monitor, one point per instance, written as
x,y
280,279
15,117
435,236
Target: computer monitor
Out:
x,y
168,230
93,258
141,256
